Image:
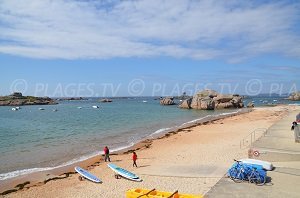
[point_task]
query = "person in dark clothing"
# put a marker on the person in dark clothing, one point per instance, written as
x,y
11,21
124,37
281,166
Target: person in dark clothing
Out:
x,y
293,125
134,158
106,154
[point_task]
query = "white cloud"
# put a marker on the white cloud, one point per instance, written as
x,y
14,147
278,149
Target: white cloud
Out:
x,y
232,30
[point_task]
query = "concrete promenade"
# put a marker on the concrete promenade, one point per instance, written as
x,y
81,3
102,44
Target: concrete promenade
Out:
x,y
279,147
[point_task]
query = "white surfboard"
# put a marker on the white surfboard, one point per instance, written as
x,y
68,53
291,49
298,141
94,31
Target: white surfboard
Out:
x,y
124,173
266,165
87,175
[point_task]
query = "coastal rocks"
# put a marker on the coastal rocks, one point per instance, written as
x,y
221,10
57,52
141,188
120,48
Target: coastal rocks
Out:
x,y
250,105
225,105
228,101
204,100
294,96
224,101
17,102
5,103
17,99
237,101
72,98
210,100
167,101
186,104
184,96
206,103
223,98
206,93
106,100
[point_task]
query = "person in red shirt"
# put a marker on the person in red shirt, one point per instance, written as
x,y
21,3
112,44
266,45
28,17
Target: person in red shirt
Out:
x,y
106,154
134,158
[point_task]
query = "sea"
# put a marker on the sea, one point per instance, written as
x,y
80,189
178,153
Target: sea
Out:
x,y
33,140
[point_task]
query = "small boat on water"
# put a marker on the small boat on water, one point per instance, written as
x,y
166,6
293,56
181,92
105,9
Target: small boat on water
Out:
x,y
41,109
18,108
96,107
54,110
14,109
144,101
79,107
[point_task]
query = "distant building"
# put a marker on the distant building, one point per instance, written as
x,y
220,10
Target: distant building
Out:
x,y
17,94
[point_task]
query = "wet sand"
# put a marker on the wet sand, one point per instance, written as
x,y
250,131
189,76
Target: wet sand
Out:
x,y
190,160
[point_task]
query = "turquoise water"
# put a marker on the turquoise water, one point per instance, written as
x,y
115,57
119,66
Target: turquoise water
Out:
x,y
32,138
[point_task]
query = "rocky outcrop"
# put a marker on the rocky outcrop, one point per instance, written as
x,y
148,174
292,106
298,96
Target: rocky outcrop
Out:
x,y
204,100
206,93
237,101
210,100
205,103
167,101
223,98
184,96
228,101
294,96
250,105
72,98
17,99
105,100
186,104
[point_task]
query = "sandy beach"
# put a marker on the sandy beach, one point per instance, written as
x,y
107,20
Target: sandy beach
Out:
x,y
191,160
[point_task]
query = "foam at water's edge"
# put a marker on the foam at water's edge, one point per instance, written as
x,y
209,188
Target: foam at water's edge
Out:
x,y
17,173
208,117
161,130
196,121
9,175
294,104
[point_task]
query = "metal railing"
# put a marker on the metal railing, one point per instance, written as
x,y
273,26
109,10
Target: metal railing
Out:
x,y
252,137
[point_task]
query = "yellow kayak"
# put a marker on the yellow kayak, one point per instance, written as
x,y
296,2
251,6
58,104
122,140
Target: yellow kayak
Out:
x,y
145,193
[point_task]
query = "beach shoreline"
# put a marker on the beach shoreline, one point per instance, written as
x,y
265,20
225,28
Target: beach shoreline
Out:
x,y
42,178
34,178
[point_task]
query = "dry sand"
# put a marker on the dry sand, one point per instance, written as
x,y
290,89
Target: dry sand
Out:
x,y
191,161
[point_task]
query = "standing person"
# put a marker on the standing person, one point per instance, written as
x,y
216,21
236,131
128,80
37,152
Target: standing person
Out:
x,y
293,125
106,154
134,158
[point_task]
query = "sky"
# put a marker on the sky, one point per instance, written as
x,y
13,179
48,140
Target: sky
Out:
x,y
93,48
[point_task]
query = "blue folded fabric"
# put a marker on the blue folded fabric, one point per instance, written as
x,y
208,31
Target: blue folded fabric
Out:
x,y
235,172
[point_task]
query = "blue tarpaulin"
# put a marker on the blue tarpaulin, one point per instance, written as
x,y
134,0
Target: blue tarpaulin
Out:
x,y
235,172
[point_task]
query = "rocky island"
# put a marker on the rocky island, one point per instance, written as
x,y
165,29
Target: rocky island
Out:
x,y
294,96
17,99
210,100
106,100
72,98
167,101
